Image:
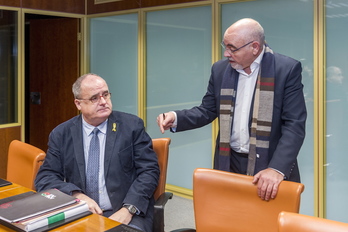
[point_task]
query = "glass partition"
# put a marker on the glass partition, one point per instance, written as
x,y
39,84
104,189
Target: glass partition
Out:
x,y
291,34
114,56
336,110
178,45
8,67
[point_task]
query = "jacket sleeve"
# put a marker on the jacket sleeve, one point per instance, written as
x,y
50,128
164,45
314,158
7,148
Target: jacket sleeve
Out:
x,y
146,168
51,173
208,111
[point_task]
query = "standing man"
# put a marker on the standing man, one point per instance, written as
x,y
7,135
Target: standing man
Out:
x,y
257,95
103,157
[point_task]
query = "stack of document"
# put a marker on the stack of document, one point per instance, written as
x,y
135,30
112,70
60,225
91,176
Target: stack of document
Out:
x,y
40,210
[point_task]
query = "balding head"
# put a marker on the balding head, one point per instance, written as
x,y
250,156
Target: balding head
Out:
x,y
246,29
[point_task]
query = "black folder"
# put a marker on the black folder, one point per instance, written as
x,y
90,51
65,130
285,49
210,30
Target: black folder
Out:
x,y
4,182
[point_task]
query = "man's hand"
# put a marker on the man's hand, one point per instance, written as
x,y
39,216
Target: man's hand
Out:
x,y
267,181
165,121
122,216
92,205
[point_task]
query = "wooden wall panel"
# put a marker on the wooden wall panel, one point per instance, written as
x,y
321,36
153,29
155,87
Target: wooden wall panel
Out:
x,y
152,3
14,3
129,4
79,6
7,135
67,6
111,6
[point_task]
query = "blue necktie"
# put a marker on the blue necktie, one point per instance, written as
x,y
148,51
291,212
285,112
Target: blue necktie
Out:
x,y
92,175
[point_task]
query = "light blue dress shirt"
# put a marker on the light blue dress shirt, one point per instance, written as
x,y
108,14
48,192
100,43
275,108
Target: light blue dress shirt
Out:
x,y
104,200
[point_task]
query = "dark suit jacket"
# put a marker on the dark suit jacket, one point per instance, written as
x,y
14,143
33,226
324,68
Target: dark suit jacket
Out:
x,y
289,113
131,167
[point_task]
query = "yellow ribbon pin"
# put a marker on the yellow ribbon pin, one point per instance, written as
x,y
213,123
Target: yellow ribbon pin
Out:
x,y
114,127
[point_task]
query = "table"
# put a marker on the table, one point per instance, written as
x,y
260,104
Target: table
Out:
x,y
90,223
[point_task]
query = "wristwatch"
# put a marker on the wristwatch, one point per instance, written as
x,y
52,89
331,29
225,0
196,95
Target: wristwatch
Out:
x,y
131,208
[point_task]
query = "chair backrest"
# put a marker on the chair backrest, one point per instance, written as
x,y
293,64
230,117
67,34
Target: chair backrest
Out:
x,y
294,222
225,201
24,161
161,148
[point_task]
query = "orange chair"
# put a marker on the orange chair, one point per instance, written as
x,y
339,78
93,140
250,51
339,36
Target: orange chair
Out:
x,y
24,161
161,148
225,201
293,222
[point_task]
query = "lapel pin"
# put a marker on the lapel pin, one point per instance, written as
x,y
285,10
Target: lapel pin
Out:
x,y
114,127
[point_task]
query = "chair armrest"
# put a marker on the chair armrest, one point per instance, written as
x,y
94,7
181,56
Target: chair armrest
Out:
x,y
162,200
158,217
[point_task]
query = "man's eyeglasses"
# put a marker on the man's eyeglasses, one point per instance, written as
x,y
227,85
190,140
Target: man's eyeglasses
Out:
x,y
230,50
96,98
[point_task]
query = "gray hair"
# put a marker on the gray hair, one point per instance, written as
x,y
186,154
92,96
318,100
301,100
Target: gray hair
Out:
x,y
76,87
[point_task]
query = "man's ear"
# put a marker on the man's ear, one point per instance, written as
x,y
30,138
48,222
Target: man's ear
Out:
x,y
77,104
256,47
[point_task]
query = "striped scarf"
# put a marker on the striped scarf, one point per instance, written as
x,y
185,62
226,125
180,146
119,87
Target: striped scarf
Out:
x,y
261,118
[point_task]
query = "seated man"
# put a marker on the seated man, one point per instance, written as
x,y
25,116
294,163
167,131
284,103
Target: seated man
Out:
x,y
103,157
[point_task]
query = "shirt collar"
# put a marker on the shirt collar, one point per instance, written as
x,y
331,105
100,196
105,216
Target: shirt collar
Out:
x,y
255,64
88,128
257,61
